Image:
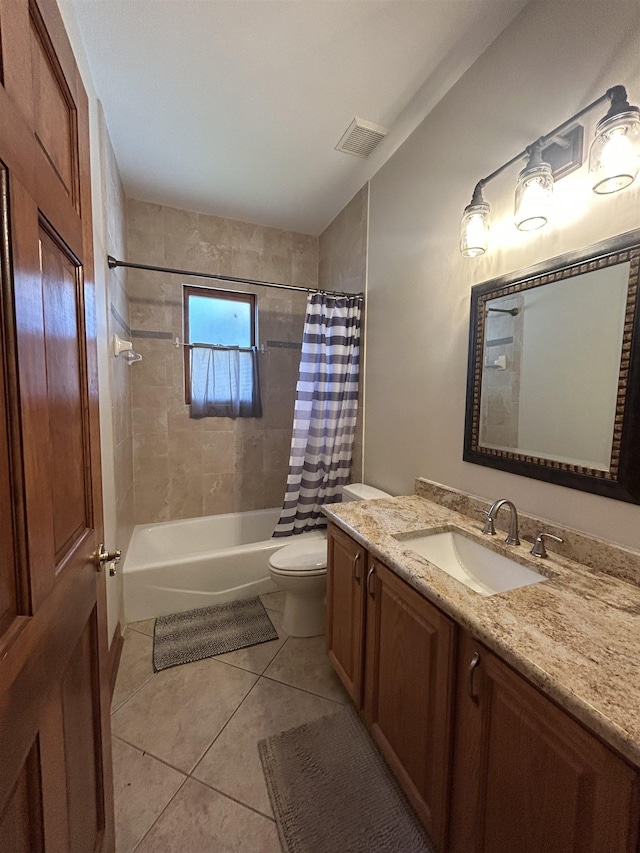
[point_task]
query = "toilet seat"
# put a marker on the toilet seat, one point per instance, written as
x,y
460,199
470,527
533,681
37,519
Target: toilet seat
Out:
x,y
301,558
292,573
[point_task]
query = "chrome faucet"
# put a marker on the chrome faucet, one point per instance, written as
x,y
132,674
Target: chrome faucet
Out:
x,y
512,537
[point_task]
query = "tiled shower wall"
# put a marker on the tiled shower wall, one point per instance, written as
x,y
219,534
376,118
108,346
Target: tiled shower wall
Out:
x,y
187,468
343,266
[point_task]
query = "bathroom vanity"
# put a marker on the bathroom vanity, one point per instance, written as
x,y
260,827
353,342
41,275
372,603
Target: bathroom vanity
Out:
x,y
512,720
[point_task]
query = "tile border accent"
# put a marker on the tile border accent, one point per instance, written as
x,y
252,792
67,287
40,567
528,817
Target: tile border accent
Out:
x,y
119,319
284,345
146,333
497,342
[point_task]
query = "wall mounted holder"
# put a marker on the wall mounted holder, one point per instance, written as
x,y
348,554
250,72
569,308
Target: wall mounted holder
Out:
x,y
125,349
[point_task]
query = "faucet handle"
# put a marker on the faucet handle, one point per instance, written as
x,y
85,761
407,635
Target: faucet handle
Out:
x,y
488,528
538,549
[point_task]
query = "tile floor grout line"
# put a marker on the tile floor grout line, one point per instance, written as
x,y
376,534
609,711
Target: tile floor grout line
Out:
x,y
228,663
234,799
304,690
131,695
211,788
137,630
138,843
242,701
151,755
186,775
253,672
189,773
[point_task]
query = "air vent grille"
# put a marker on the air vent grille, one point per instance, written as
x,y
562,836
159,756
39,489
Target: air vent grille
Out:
x,y
361,138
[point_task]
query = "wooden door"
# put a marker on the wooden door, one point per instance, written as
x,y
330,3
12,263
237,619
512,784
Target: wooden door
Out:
x,y
409,691
346,566
527,777
55,770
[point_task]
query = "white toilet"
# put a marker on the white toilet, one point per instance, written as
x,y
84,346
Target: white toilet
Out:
x,y
300,569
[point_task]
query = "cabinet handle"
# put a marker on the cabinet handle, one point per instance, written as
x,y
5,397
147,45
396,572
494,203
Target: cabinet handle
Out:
x,y
369,579
475,660
356,573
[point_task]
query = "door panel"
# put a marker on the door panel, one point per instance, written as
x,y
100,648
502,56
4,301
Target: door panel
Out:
x,y
66,393
54,110
21,821
81,736
33,408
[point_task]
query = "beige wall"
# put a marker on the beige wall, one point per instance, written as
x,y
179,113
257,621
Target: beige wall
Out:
x,y
343,266
553,60
187,468
342,263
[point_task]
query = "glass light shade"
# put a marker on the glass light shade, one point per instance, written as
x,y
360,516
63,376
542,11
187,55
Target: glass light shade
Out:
x,y
533,197
474,229
614,159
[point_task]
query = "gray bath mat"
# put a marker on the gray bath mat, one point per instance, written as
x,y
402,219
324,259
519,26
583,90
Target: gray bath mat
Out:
x,y
197,634
331,791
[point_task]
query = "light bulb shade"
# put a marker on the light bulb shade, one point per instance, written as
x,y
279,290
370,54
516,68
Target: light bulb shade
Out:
x,y
534,192
474,229
614,159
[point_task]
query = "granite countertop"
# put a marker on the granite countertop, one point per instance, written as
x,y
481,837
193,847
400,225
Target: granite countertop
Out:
x,y
576,636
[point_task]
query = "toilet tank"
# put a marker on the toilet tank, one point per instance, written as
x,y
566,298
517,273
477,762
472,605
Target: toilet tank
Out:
x,y
361,492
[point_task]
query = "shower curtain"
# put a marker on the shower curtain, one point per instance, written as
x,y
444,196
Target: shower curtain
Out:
x,y
325,411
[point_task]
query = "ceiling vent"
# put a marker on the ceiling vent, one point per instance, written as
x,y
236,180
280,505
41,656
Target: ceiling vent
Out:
x,y
361,138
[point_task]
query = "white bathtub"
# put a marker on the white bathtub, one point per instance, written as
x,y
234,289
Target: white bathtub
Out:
x,y
179,565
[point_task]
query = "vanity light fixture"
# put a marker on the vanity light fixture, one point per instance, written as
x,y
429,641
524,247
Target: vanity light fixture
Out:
x,y
475,226
614,158
534,191
614,163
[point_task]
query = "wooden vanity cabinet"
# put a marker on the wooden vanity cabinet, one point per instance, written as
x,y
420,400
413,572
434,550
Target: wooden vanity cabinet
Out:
x,y
490,764
346,576
526,776
410,647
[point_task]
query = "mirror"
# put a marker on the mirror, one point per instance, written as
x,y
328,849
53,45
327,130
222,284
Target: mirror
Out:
x,y
553,388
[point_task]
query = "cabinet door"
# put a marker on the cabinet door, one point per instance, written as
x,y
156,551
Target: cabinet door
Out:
x,y
527,777
409,680
346,566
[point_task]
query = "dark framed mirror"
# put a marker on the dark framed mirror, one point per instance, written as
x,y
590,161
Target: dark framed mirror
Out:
x,y
553,382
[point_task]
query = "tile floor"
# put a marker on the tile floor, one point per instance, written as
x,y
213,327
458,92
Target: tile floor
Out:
x,y
187,774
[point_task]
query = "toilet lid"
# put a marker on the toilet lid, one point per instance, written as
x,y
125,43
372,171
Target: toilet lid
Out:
x,y
301,556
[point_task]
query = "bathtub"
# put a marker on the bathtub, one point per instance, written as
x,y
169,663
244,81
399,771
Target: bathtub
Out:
x,y
179,565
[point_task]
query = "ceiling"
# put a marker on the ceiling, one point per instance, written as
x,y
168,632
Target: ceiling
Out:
x,y
234,107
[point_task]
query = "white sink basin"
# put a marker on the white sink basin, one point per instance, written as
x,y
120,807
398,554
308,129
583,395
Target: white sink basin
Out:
x,y
479,568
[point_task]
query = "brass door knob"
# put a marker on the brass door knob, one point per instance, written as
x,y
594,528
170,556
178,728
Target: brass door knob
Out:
x,y
102,556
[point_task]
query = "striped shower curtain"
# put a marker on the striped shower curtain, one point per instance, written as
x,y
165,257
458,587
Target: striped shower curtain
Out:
x,y
325,411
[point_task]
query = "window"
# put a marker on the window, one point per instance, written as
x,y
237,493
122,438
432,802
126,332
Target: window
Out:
x,y
220,318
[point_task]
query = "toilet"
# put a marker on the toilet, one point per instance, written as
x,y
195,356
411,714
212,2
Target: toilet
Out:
x,y
300,570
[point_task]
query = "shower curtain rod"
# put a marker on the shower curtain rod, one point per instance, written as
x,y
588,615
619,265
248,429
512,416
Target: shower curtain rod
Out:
x,y
112,262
